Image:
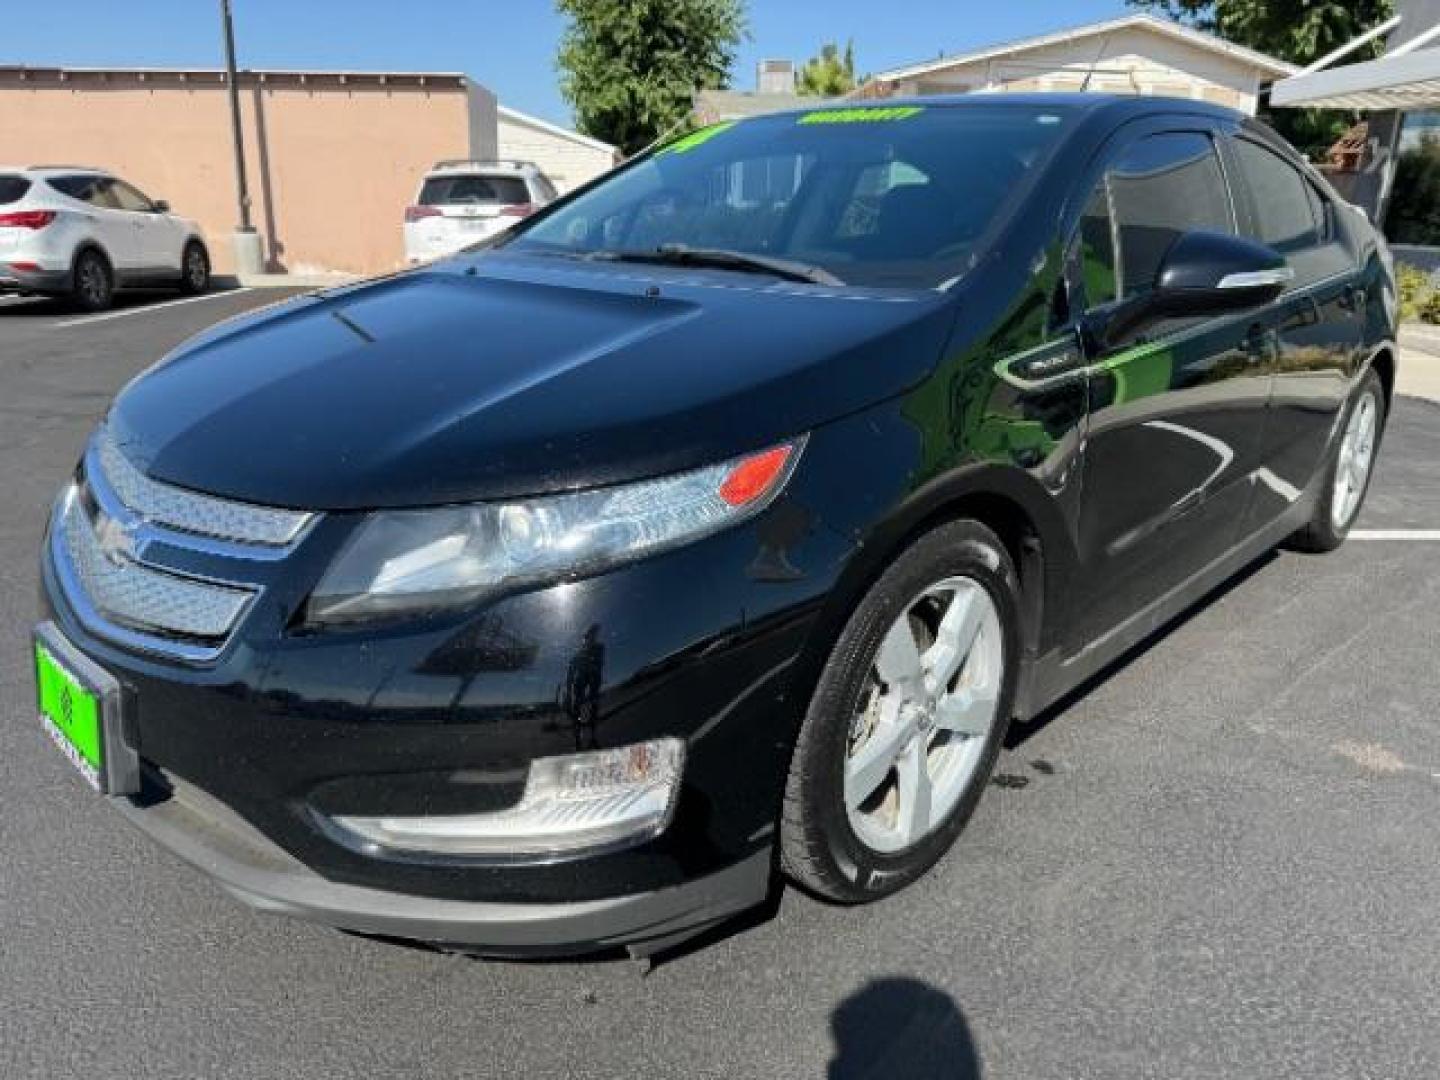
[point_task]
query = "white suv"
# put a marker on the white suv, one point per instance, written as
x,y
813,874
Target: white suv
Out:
x,y
463,202
73,231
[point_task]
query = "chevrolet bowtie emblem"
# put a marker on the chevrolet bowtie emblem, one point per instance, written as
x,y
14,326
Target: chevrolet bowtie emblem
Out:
x,y
116,539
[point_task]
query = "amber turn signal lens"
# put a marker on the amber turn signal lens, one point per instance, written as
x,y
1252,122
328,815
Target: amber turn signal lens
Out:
x,y
754,476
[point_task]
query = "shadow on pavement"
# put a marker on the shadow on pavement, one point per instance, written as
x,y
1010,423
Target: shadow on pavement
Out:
x,y
899,1028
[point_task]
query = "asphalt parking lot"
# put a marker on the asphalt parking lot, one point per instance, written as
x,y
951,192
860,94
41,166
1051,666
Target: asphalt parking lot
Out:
x,y
1220,861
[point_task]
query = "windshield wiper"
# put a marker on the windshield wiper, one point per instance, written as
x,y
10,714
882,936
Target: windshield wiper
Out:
x,y
724,259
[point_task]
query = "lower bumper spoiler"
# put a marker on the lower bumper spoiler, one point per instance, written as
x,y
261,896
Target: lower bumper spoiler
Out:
x,y
214,839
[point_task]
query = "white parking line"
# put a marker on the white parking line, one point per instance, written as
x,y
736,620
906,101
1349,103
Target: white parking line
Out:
x,y
1395,534
104,316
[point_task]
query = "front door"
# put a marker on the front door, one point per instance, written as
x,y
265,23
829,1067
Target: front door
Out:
x,y
1176,411
158,245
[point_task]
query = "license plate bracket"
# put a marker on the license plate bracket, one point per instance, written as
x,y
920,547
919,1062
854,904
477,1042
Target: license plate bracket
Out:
x,y
81,707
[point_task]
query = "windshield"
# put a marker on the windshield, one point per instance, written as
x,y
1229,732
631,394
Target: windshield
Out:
x,y
880,196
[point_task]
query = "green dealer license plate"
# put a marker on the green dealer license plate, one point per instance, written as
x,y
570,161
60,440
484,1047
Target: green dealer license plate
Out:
x,y
79,708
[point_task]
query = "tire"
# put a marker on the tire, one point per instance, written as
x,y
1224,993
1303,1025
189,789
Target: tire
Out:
x,y
194,269
1335,513
833,848
93,287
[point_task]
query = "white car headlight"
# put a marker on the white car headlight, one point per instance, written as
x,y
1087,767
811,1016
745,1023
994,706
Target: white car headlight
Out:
x,y
411,561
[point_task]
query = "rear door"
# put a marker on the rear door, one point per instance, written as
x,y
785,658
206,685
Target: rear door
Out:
x,y
106,221
1176,410
1320,317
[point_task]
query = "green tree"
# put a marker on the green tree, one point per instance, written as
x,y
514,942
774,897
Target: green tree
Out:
x,y
631,68
830,74
1414,214
1300,31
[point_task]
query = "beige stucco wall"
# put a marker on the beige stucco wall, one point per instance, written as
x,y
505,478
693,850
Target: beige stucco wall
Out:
x,y
1132,60
567,162
330,169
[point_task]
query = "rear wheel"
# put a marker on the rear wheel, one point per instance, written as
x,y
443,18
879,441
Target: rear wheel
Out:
x,y
194,269
1347,478
907,720
94,284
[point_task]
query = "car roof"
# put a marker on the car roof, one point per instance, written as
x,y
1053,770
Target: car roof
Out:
x,y
55,170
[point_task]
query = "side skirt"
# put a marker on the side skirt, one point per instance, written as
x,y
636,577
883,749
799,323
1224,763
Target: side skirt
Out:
x,y
1054,675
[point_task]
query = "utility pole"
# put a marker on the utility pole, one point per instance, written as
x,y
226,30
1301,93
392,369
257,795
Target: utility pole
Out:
x,y
247,242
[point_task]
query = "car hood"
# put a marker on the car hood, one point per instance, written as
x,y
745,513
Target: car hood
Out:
x,y
500,375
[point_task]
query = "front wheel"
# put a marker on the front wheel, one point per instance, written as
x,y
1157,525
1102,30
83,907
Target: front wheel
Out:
x,y
907,719
194,269
1347,476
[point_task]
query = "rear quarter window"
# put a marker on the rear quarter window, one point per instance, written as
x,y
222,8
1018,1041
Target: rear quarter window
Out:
x,y
12,188
472,190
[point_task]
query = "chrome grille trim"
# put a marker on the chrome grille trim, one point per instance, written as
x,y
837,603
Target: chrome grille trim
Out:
x,y
139,605
189,511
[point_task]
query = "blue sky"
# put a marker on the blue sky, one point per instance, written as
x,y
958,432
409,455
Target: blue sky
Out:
x,y
508,45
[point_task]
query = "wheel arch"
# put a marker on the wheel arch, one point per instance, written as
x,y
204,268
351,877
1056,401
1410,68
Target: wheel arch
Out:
x,y
90,244
1015,506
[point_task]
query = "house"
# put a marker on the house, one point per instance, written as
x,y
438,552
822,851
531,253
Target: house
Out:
x,y
774,92
1133,54
567,157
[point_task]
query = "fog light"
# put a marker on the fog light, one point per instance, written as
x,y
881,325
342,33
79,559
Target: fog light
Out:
x,y
579,804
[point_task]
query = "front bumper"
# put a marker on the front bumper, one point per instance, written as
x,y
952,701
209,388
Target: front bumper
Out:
x,y
212,838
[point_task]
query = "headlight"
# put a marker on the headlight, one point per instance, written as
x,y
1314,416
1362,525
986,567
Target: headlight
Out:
x,y
410,561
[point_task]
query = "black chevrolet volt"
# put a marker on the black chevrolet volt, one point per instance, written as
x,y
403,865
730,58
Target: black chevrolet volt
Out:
x,y
710,527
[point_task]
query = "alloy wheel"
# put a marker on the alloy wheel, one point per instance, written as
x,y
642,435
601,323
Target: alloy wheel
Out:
x,y
919,732
1357,456
94,284
195,268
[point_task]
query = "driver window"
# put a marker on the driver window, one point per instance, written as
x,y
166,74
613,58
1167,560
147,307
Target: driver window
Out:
x,y
127,198
1160,187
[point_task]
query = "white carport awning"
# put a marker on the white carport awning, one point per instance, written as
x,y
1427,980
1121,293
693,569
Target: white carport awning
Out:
x,y
1407,82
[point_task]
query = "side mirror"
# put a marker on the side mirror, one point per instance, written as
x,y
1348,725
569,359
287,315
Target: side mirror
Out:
x,y
1203,274
160,206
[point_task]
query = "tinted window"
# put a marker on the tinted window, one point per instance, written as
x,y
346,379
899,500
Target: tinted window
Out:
x,y
474,190
1285,203
95,190
12,188
874,195
127,198
1161,187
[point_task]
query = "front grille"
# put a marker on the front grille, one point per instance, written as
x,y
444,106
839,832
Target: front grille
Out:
x,y
142,598
125,549
189,511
